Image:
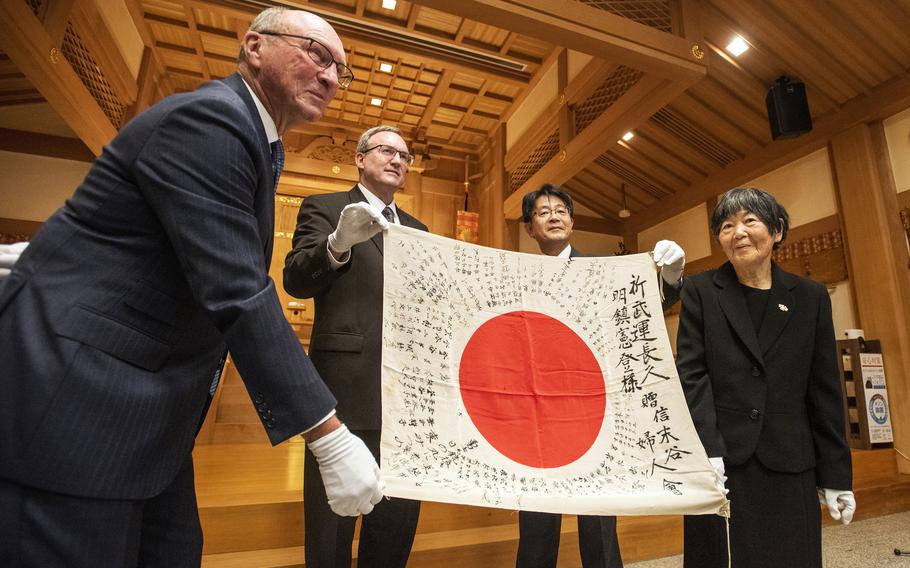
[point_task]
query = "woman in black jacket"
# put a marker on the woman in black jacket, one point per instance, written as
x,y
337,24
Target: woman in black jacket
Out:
x,y
757,361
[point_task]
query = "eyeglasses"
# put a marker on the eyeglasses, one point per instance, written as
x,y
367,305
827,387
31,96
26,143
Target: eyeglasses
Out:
x,y
321,56
545,213
388,152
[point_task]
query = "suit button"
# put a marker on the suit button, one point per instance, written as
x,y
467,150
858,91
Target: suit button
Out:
x,y
754,414
259,399
755,372
270,424
262,407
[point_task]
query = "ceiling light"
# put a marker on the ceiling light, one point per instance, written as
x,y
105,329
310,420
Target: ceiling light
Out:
x,y
389,4
737,47
385,67
628,136
376,102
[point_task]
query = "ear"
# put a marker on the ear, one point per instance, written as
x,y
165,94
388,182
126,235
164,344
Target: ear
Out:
x,y
528,229
358,160
252,47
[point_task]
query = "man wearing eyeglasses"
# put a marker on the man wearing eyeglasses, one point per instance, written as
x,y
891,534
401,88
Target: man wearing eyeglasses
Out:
x,y
548,217
337,260
114,320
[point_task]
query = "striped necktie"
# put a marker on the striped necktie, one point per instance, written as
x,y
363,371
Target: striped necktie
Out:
x,y
277,160
388,214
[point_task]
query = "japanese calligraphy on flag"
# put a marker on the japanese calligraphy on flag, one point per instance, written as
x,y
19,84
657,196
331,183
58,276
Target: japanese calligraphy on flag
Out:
x,y
530,382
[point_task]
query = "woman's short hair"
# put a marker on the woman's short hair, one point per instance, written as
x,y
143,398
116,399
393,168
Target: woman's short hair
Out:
x,y
756,201
530,200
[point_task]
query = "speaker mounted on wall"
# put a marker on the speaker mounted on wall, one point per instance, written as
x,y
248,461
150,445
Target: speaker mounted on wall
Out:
x,y
788,109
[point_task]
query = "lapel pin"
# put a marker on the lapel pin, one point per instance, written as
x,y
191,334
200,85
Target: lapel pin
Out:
x,y
783,308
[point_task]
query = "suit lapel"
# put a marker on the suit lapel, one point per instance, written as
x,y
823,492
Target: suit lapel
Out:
x,y
734,307
780,306
265,194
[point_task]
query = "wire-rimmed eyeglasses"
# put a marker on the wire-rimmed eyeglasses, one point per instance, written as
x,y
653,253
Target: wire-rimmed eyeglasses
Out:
x,y
321,56
388,152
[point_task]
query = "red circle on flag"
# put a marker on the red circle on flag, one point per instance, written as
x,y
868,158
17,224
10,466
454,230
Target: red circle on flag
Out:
x,y
533,389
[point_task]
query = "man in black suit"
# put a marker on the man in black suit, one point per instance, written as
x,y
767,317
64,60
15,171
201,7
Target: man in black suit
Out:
x,y
116,315
337,259
548,216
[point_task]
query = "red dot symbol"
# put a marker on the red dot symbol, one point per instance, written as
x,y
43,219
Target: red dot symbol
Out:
x,y
533,389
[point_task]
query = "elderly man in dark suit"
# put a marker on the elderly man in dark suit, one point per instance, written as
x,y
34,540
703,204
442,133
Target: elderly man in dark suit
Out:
x,y
548,216
116,315
337,259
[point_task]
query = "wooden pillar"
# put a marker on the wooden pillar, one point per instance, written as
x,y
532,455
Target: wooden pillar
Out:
x,y
413,186
877,258
498,192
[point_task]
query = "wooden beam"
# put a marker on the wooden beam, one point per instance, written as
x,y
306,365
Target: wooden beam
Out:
x,y
597,225
586,29
29,46
888,99
56,18
645,98
24,142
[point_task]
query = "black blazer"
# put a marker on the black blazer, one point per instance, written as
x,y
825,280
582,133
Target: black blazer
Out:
x,y
115,317
346,345
776,395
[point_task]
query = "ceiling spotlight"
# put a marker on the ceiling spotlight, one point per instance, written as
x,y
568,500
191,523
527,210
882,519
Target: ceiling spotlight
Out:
x,y
385,67
376,102
628,136
737,47
389,4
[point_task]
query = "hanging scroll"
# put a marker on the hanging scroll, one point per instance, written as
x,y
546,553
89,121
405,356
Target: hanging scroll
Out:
x,y
530,382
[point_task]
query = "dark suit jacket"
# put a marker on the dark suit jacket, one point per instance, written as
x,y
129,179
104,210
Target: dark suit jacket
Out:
x,y
776,395
115,317
346,345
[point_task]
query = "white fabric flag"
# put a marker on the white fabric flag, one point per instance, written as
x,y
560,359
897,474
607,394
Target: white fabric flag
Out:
x,y
531,382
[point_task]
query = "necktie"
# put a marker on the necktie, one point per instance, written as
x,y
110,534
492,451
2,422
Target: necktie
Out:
x,y
389,216
277,160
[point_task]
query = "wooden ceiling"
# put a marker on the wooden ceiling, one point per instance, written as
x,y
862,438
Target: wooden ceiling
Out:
x,y
460,69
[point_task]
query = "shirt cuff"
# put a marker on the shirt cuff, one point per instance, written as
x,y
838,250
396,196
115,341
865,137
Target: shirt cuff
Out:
x,y
334,262
327,416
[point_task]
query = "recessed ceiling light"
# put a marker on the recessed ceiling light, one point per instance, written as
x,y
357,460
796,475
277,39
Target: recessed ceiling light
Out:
x,y
628,136
376,102
385,67
737,47
389,4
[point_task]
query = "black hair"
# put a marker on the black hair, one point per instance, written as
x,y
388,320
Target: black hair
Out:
x,y
530,199
756,201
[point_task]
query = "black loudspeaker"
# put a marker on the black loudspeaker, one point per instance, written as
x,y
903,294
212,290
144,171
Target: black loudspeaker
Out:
x,y
788,109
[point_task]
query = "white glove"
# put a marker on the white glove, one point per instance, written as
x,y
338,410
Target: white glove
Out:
x,y
841,504
349,472
719,474
9,254
358,223
671,259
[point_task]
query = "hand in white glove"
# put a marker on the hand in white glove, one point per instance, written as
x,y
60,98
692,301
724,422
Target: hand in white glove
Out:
x,y
349,472
841,504
719,474
358,223
671,259
9,255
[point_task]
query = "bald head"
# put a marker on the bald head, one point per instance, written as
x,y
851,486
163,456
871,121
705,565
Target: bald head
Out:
x,y
290,60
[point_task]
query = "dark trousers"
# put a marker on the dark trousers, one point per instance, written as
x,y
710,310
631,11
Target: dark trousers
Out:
x,y
538,540
386,534
774,521
41,529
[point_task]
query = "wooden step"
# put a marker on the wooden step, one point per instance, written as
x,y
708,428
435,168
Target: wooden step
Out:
x,y
250,498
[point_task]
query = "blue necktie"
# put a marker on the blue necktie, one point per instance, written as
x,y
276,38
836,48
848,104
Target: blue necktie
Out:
x,y
277,160
388,214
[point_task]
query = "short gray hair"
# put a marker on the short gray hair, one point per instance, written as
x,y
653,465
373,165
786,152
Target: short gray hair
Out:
x,y
270,19
364,141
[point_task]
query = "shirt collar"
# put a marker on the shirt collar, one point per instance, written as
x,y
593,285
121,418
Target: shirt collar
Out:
x,y
377,203
566,252
271,131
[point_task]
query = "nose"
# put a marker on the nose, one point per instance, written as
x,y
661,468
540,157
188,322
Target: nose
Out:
x,y
329,76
